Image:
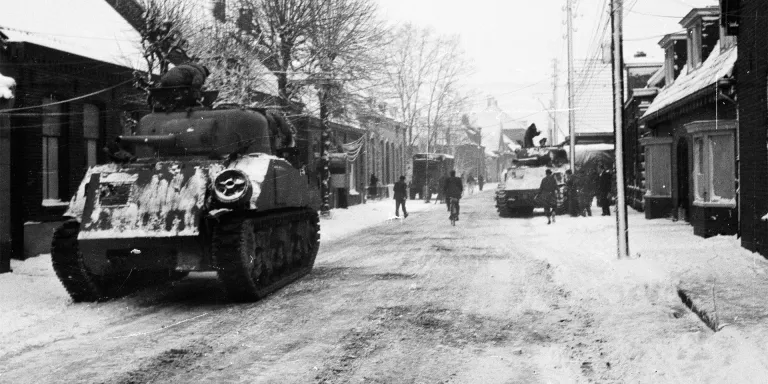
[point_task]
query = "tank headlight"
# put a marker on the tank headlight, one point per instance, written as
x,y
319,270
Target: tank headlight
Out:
x,y
231,185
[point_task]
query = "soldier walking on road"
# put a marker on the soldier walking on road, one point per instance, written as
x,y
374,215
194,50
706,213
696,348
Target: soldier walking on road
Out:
x,y
400,197
548,195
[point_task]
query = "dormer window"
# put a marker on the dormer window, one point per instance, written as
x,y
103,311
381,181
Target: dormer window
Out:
x,y
675,55
703,32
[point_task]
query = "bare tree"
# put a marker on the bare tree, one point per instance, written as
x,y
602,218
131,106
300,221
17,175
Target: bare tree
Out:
x,y
235,72
162,39
276,31
341,44
424,79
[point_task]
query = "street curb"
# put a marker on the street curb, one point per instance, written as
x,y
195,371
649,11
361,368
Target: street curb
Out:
x,y
701,313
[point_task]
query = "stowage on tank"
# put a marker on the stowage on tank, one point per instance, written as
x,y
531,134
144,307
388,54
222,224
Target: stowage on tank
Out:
x,y
203,190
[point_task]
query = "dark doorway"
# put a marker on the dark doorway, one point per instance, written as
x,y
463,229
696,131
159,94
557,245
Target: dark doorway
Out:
x,y
683,181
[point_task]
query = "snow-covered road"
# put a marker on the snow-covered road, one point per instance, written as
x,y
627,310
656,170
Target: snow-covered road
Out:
x,y
389,301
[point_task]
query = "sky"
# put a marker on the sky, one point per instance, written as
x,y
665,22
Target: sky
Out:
x,y
512,43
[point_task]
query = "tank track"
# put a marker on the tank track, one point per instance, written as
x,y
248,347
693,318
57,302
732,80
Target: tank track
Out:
x,y
504,211
255,256
84,286
70,269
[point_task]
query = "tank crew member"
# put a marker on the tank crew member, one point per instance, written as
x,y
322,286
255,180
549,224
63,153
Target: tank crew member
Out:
x,y
188,74
280,126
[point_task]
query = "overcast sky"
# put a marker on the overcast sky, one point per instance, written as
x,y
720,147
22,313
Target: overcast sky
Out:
x,y
512,43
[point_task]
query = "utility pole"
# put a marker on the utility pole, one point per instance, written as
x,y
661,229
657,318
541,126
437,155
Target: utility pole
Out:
x,y
571,117
553,134
622,232
480,152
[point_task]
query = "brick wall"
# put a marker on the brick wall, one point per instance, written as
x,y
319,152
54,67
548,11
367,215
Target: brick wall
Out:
x,y
751,68
42,72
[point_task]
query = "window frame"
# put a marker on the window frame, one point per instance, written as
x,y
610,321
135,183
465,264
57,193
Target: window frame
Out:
x,y
650,161
704,161
51,135
91,137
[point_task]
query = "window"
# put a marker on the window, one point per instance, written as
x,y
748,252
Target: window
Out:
x,y
91,133
52,120
714,173
658,167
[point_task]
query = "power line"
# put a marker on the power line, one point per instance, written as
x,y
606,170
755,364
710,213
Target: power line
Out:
x,y
66,101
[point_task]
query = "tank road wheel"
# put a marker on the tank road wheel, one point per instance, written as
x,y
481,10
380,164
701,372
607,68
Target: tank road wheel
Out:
x,y
280,246
306,241
240,253
70,268
504,211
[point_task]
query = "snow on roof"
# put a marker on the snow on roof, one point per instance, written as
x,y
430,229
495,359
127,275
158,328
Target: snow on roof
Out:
x,y
718,65
88,28
6,87
510,144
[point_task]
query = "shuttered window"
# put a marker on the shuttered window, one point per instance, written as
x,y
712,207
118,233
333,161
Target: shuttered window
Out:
x,y
52,121
91,131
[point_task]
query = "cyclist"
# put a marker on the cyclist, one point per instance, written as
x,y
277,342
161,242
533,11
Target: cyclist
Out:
x,y
453,187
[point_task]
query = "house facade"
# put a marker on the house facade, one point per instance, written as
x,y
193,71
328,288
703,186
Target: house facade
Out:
x,y
71,98
690,145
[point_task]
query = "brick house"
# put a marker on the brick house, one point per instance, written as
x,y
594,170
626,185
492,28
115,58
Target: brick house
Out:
x,y
690,149
752,67
73,87
639,73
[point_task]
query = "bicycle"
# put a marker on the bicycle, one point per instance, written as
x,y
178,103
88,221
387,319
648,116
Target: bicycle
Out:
x,y
454,210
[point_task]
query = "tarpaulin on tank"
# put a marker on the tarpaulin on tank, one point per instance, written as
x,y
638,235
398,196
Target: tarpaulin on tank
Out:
x,y
163,199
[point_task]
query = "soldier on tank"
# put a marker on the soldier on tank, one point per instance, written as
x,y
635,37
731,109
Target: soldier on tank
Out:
x,y
189,74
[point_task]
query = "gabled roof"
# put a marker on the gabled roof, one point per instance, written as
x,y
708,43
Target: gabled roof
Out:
x,y
88,28
509,140
717,66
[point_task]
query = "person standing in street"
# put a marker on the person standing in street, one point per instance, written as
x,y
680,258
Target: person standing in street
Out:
x,y
453,188
401,194
571,197
480,182
548,196
604,189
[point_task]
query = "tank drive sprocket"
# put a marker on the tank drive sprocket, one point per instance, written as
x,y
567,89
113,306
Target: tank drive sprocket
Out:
x,y
255,256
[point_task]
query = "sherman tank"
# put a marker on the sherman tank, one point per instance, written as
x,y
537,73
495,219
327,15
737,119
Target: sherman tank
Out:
x,y
519,185
195,189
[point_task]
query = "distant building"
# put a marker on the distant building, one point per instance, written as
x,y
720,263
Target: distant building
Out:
x,y
593,97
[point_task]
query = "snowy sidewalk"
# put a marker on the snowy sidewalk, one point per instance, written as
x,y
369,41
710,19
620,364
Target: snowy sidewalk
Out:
x,y
724,283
